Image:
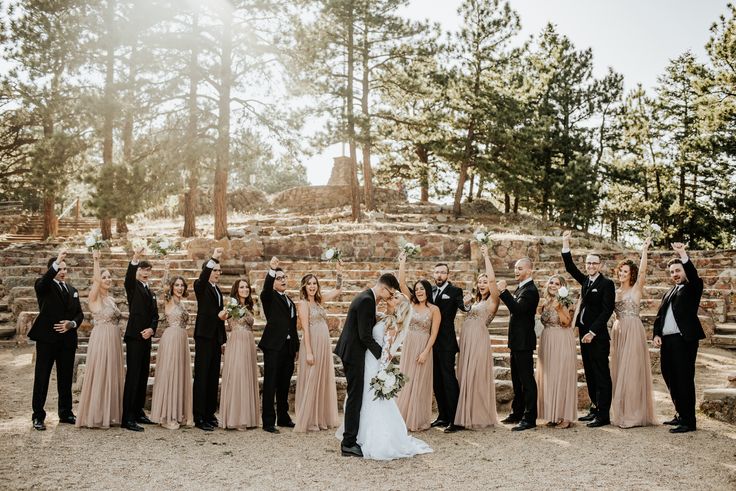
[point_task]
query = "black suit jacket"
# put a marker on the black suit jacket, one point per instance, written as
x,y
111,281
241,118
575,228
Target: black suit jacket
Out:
x,y
596,302
446,338
357,332
685,303
208,325
280,319
53,307
522,305
141,304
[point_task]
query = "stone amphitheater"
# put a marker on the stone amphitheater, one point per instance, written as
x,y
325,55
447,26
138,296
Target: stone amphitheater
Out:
x,y
312,220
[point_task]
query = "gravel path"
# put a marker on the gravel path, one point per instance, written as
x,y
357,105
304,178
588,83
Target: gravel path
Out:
x,y
578,458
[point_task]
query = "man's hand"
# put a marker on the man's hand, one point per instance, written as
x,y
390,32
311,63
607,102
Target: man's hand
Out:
x,y
657,342
501,285
566,239
274,263
62,255
679,248
138,252
468,298
147,333
63,326
587,339
223,314
217,253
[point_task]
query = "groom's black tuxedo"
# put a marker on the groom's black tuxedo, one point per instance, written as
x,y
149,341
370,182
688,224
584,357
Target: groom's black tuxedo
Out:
x,y
522,305
356,337
679,350
597,301
445,385
279,344
143,315
55,305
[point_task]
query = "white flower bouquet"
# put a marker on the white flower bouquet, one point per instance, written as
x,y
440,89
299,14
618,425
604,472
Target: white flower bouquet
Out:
x,y
94,241
483,237
161,246
235,310
332,254
563,297
410,249
387,383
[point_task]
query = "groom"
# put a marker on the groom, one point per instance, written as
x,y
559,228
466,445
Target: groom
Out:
x,y
355,339
597,301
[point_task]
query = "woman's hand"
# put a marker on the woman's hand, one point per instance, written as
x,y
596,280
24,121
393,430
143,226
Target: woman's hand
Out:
x,y
96,254
310,359
402,257
422,358
484,250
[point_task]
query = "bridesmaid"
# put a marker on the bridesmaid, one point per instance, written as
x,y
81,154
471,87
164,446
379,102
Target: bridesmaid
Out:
x,y
556,376
631,373
316,392
101,401
415,399
477,403
239,397
171,403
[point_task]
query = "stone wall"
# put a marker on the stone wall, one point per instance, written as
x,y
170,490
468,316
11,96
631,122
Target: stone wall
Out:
x,y
313,198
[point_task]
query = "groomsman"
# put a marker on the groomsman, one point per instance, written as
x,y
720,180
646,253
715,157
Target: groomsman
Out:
x,y
280,344
597,301
209,336
142,323
677,332
55,334
522,305
449,299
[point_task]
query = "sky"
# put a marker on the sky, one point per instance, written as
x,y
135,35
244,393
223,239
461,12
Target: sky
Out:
x,y
637,38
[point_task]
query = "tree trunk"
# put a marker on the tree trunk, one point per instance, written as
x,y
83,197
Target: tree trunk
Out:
x,y
222,151
192,194
366,125
470,188
506,203
50,222
423,155
350,115
516,204
481,184
121,218
107,185
462,176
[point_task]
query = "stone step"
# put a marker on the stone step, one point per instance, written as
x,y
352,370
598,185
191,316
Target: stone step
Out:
x,y
6,332
724,340
726,328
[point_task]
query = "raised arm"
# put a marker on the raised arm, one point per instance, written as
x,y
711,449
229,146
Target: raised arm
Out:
x,y
642,279
303,310
570,267
130,274
267,290
332,295
165,281
436,319
692,273
490,273
200,284
47,280
94,290
402,276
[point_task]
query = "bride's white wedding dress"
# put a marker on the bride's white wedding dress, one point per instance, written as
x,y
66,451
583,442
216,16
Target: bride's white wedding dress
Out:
x,y
382,433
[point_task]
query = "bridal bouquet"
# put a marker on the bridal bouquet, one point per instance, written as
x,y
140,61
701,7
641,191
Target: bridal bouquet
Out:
x,y
161,246
563,297
235,310
483,237
332,254
94,241
410,249
387,382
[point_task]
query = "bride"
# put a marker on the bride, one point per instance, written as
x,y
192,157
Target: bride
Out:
x,y
382,433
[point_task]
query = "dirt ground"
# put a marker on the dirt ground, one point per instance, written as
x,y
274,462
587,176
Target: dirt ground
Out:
x,y
544,458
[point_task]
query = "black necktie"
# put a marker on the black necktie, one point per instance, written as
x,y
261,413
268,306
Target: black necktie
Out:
x,y
64,291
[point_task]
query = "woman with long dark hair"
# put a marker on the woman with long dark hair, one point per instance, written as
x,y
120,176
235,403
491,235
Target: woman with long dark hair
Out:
x,y
316,393
239,395
415,399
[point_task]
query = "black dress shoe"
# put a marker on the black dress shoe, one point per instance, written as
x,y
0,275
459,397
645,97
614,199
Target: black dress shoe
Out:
x,y
353,451
681,428
439,422
213,422
69,419
204,426
673,422
271,429
132,426
288,424
597,423
524,425
510,420
38,425
588,417
453,428
144,420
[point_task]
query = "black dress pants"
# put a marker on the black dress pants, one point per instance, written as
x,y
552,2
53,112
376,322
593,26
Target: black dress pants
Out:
x,y
46,355
207,357
278,367
524,404
354,373
446,387
138,363
677,358
598,375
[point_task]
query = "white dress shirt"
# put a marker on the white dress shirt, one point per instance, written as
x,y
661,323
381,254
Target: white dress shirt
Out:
x,y
670,324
